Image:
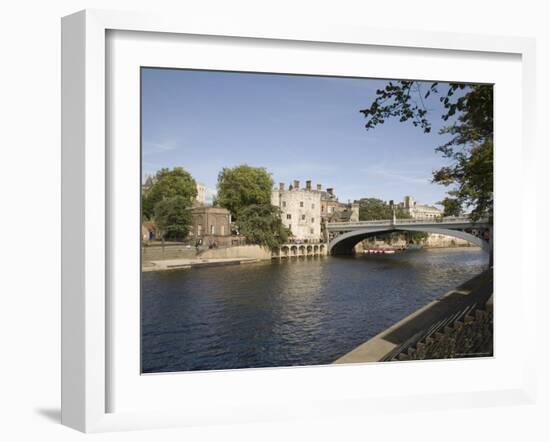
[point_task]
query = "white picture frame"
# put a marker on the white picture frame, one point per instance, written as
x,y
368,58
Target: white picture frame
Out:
x,y
87,356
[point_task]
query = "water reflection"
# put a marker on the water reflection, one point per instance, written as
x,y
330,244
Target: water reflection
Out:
x,y
300,312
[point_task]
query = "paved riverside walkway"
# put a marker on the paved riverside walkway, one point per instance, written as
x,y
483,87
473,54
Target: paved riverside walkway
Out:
x,y
175,264
477,290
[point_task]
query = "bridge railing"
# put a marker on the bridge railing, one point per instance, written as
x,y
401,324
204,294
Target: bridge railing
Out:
x,y
446,220
408,221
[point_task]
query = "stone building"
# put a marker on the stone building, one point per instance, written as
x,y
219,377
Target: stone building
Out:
x,y
419,211
329,203
200,199
300,210
333,210
211,225
306,210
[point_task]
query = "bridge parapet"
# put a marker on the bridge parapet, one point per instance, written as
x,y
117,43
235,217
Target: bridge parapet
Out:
x,y
447,221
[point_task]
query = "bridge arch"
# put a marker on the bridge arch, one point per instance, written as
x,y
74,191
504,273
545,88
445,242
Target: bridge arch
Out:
x,y
344,243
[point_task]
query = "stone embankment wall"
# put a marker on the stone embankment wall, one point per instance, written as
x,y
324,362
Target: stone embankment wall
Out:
x,y
472,336
169,251
433,241
248,251
458,324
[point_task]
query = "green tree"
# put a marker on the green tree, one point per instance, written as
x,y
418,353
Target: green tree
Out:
x,y
167,184
173,217
451,207
261,224
243,186
469,110
375,209
416,237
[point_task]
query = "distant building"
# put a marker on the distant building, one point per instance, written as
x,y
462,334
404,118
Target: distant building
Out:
x,y
333,210
200,199
329,203
300,210
346,213
147,184
210,225
419,211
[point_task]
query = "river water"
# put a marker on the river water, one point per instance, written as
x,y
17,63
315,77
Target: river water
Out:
x,y
303,311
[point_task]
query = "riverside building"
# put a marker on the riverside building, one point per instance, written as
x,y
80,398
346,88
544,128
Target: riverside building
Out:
x,y
300,210
333,210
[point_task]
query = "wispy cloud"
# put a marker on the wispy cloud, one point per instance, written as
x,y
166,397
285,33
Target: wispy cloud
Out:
x,y
388,173
153,148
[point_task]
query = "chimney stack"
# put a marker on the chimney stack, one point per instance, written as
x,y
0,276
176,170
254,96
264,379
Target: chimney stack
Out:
x,y
281,187
296,185
330,191
308,185
319,187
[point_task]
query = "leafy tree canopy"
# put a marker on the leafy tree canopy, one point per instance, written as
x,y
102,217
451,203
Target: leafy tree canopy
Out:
x,y
451,207
243,186
375,209
167,184
173,217
261,224
469,110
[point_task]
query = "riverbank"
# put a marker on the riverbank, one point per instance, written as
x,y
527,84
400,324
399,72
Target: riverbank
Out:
x,y
179,264
443,319
184,258
178,251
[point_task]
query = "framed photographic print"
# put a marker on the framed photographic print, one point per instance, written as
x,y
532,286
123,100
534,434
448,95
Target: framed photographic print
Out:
x,y
269,223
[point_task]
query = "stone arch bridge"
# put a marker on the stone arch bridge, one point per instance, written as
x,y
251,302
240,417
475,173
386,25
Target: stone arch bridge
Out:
x,y
344,236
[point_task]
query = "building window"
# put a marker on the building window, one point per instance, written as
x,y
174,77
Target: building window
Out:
x,y
303,217
311,231
284,203
212,229
222,231
323,209
312,220
199,230
288,216
301,204
313,206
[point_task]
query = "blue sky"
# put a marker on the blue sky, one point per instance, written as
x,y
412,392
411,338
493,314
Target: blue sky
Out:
x,y
297,127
